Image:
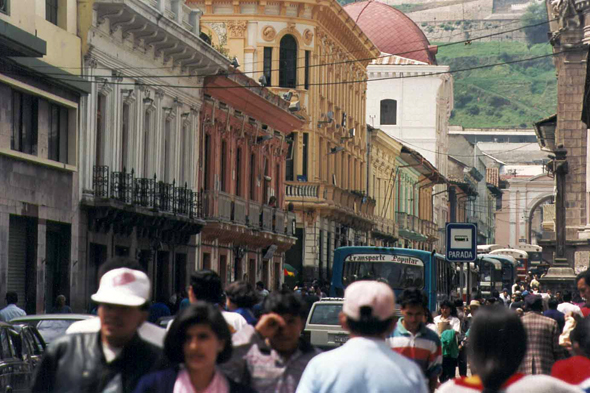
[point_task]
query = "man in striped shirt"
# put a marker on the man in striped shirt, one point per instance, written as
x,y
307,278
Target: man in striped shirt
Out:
x,y
414,340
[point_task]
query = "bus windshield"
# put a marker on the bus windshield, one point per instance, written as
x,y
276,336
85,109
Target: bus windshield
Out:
x,y
399,271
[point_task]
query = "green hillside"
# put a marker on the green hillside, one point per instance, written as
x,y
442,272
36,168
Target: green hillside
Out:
x,y
510,95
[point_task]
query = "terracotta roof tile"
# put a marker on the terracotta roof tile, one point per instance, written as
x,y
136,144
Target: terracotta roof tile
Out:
x,y
392,31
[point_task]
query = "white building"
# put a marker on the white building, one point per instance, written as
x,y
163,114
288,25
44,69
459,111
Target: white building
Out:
x,y
409,96
140,139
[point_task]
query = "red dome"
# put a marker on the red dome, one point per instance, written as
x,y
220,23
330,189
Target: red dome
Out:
x,y
391,31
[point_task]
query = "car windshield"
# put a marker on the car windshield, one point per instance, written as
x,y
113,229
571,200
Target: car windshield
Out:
x,y
326,314
53,328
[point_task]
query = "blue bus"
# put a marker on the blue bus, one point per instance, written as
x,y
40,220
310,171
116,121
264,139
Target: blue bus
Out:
x,y
401,267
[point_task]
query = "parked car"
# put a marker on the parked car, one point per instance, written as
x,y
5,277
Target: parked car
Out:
x,y
21,348
51,326
322,327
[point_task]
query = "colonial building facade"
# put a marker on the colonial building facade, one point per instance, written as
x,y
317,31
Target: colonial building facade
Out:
x,y
140,142
409,96
242,167
317,55
401,181
40,94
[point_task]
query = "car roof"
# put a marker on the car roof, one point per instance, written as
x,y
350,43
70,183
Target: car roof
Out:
x,y
43,317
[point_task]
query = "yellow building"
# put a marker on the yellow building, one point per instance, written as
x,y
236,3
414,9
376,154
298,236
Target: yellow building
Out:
x,y
40,95
401,181
311,50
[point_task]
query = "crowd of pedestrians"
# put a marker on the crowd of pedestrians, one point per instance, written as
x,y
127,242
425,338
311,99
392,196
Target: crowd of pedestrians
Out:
x,y
247,339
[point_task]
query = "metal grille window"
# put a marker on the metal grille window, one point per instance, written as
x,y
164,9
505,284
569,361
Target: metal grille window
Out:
x,y
24,123
288,62
268,65
58,133
51,11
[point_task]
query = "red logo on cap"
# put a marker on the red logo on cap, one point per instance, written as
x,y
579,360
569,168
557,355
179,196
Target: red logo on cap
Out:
x,y
123,279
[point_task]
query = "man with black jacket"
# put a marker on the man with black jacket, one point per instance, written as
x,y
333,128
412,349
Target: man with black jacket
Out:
x,y
112,360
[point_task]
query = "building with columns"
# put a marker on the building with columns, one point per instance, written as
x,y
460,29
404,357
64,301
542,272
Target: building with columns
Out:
x,y
242,168
139,145
409,96
316,52
40,95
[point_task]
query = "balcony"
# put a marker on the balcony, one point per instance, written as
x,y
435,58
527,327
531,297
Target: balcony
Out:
x,y
385,229
267,218
412,227
331,200
148,193
151,208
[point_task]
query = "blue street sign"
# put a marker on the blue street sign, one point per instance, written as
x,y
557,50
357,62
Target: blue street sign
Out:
x,y
461,242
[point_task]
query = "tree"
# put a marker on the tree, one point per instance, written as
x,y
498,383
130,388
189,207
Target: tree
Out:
x,y
536,16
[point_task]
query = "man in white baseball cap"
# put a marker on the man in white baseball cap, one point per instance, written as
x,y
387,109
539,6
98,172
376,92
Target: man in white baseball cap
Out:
x,y
113,359
365,363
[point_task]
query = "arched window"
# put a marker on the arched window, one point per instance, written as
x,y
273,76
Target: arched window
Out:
x,y
288,62
388,112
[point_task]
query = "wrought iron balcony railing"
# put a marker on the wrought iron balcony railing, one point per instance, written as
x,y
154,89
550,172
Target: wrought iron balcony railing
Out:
x,y
149,193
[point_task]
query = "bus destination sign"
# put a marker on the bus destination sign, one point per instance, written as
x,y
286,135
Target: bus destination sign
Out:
x,y
371,258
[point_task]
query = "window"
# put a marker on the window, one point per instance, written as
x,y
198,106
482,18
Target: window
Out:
x,y
166,155
253,177
288,62
125,136
278,182
388,112
289,166
207,168
147,130
58,133
100,129
223,166
265,196
307,65
239,172
24,123
304,158
268,65
184,146
51,11
4,6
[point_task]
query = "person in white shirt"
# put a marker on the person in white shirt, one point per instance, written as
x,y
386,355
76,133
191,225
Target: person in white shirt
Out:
x,y
11,311
446,317
567,307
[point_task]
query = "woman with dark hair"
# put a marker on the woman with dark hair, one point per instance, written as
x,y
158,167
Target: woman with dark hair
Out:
x,y
241,297
497,345
197,341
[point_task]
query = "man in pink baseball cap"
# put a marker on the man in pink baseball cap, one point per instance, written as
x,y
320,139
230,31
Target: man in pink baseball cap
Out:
x,y
365,363
112,359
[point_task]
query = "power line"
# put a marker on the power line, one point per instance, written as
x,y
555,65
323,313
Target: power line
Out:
x,y
466,41
309,84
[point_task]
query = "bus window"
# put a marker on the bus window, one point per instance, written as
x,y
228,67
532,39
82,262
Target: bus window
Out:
x,y
399,271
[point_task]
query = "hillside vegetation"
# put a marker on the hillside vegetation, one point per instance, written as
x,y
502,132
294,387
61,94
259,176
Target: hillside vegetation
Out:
x,y
508,95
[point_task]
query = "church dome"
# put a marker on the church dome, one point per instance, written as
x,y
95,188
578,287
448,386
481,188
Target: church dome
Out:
x,y
392,31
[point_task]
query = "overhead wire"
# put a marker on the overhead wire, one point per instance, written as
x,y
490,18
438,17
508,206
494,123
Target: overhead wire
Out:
x,y
323,64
